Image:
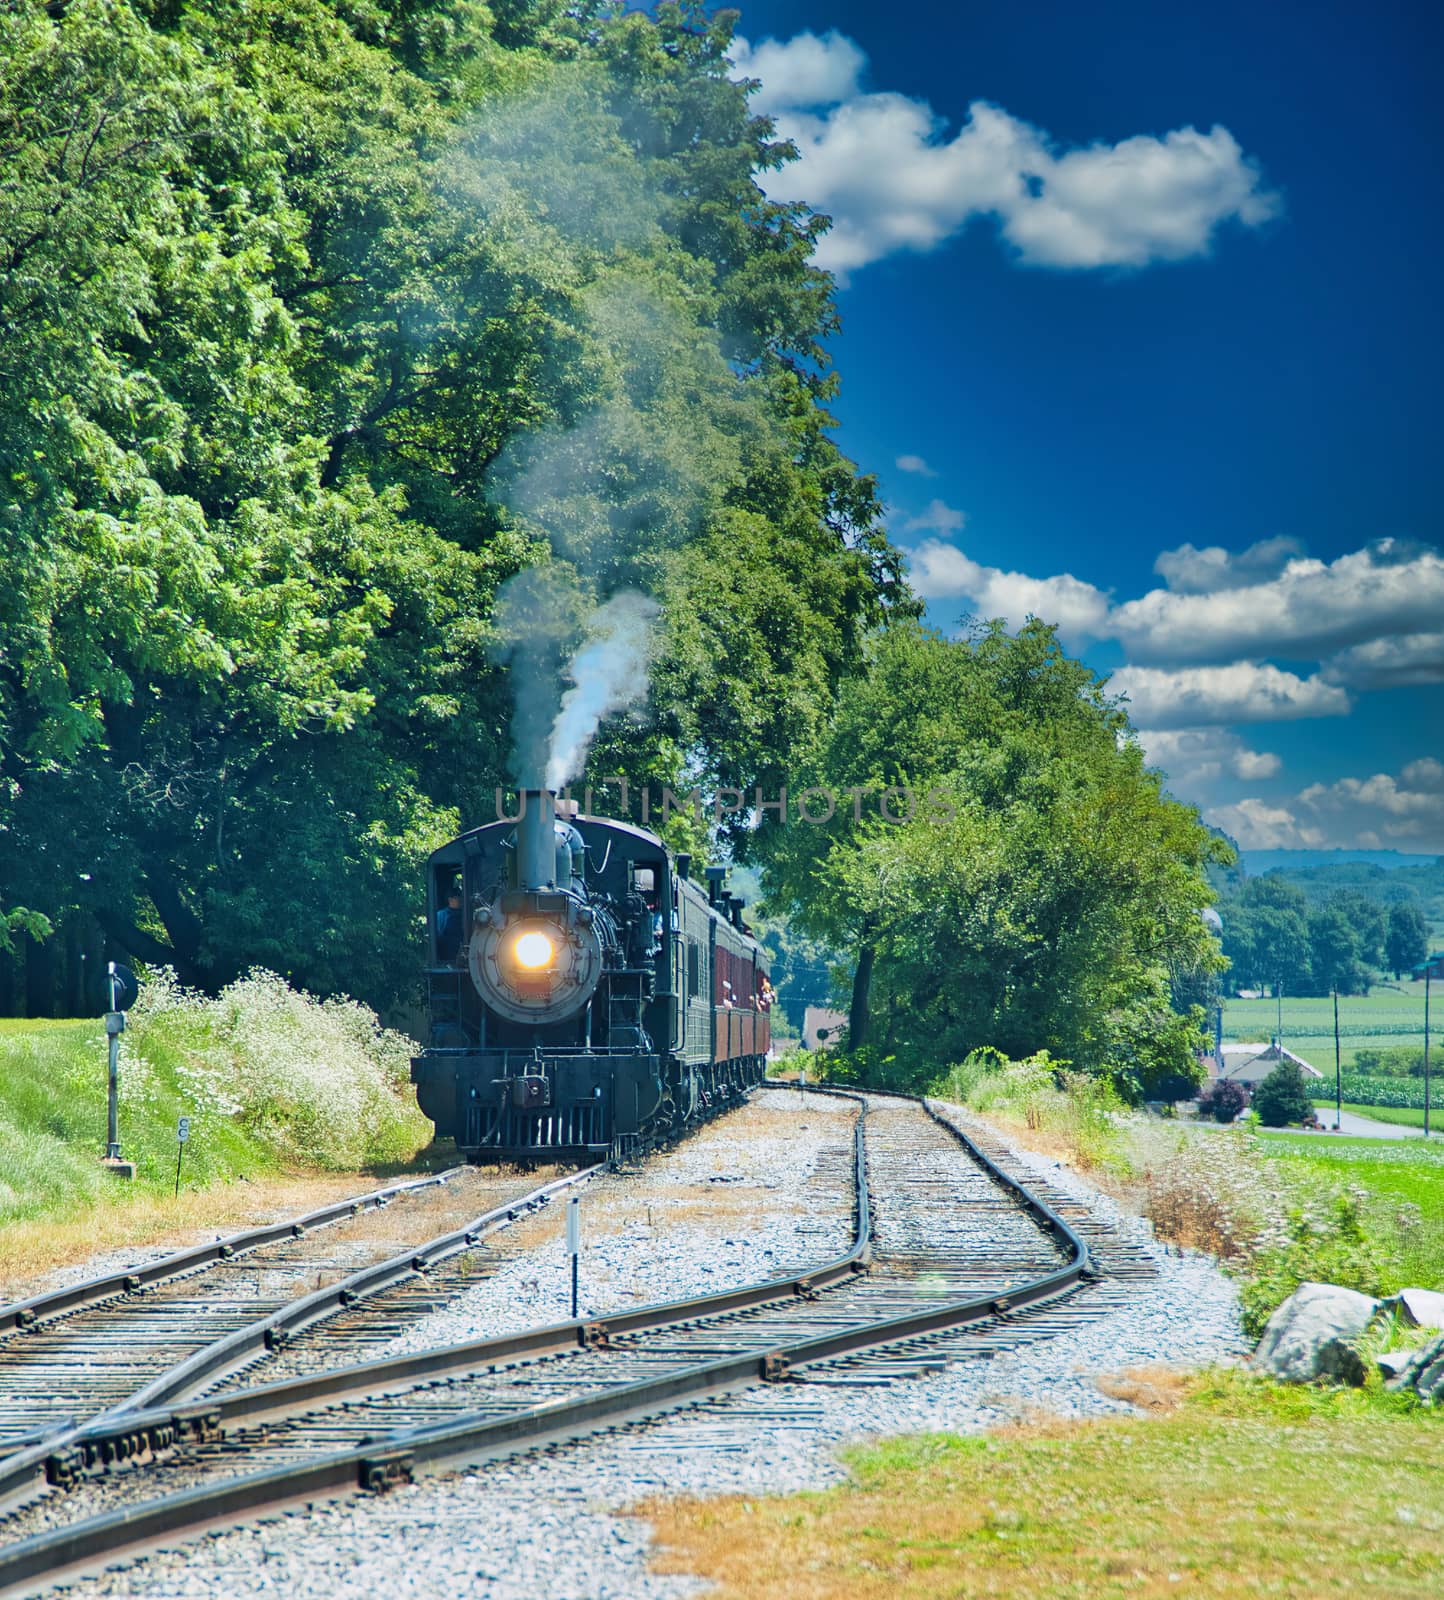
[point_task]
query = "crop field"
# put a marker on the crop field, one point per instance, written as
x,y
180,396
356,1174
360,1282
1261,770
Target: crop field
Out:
x,y
1387,1018
1406,1172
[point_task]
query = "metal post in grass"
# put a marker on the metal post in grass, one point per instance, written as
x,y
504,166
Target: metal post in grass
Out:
x,y
121,991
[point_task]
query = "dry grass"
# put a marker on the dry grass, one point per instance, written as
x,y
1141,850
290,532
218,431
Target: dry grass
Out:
x,y
1213,1498
32,1252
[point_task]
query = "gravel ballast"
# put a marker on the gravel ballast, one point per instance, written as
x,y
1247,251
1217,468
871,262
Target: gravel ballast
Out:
x,y
550,1524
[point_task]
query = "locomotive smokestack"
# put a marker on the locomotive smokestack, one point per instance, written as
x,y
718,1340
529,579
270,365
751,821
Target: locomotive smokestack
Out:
x,y
536,849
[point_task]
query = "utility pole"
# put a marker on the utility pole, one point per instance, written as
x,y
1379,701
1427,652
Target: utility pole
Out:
x,y
1431,967
1338,1070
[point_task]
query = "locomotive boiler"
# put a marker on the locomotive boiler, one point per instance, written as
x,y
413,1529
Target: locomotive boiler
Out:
x,y
585,996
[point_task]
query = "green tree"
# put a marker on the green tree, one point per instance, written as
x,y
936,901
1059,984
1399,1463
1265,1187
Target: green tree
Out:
x,y
1044,884
1406,943
322,321
1334,947
1283,1096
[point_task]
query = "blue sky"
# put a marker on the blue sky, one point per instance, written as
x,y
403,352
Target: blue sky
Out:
x,y
1142,334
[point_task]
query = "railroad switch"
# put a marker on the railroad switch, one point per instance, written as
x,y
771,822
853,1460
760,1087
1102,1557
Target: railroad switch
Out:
x,y
596,1336
775,1368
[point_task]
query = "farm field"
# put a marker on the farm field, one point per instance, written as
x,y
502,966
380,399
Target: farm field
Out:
x,y
1399,1170
1387,1018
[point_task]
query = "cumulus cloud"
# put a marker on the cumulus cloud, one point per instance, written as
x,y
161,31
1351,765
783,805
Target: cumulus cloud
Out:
x,y
941,571
802,71
935,517
886,171
1392,663
1241,691
1189,570
915,464
1310,608
1385,811
1196,758
1260,825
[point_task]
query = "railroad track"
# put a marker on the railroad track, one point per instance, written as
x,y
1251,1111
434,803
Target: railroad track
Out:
x,y
84,1356
961,1252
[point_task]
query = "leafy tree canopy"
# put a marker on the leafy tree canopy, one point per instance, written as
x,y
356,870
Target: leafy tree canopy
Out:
x,y
320,321
1045,886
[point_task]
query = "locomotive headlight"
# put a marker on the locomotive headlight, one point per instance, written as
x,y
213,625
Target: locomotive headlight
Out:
x,y
533,950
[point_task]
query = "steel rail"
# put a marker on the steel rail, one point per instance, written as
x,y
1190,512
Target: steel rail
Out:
x,y
22,1314
377,1463
26,1470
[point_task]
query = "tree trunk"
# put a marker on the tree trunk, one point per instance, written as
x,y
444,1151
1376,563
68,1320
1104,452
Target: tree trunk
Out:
x,y
857,1013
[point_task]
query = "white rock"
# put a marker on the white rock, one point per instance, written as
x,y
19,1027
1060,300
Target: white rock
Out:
x,y
1314,1334
1420,1308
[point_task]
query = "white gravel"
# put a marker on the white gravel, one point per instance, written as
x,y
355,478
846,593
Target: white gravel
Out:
x,y
547,1527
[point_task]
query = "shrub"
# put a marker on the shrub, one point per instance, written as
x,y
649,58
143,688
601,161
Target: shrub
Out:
x,y
1225,1101
318,1081
1283,1097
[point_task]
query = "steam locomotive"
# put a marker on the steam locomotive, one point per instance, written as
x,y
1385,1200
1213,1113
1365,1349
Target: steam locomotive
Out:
x,y
585,996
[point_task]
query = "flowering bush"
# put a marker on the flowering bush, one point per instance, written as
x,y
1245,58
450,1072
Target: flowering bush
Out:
x,y
318,1081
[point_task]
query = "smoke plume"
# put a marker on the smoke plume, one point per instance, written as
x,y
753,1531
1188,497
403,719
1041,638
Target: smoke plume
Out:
x,y
608,673
626,469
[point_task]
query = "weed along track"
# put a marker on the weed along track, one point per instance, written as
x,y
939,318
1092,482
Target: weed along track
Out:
x,y
951,1257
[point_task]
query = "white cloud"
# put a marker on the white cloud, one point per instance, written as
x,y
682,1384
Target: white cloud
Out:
x,y
941,571
1426,774
1257,825
882,166
915,464
1196,758
802,71
1189,570
1403,812
935,517
1398,661
1311,608
1242,691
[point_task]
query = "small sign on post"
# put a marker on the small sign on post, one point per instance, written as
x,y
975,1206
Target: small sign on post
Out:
x,y
574,1245
182,1134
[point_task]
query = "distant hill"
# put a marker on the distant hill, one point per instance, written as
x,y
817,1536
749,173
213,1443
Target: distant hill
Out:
x,y
1256,862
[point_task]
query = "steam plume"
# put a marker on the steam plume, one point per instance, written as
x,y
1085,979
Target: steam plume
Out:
x,y
608,672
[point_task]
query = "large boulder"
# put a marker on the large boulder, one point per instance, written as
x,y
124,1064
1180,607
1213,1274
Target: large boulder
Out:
x,y
1424,1372
1315,1333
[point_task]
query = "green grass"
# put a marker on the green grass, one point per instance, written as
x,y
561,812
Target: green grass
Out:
x,y
1409,1172
269,1079
52,1124
1217,1497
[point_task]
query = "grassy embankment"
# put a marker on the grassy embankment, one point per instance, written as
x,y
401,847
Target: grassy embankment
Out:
x,y
1216,1494
1276,1209
311,1097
